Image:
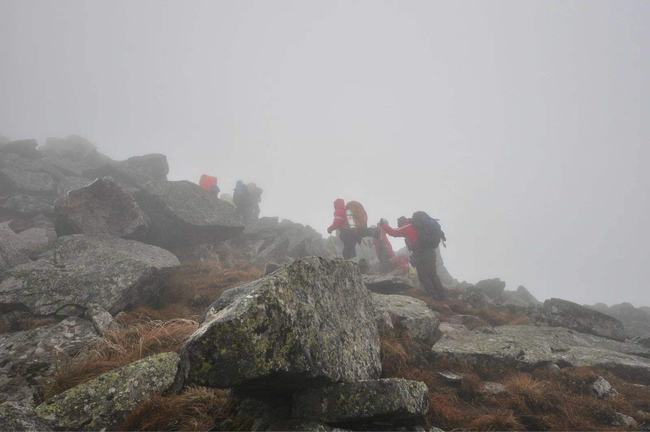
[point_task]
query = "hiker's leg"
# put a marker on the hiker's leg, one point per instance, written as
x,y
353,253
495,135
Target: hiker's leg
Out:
x,y
440,291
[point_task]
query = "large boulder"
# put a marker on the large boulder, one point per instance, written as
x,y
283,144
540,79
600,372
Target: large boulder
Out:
x,y
563,313
182,213
529,347
105,401
383,404
20,418
398,312
28,356
102,207
80,270
312,321
388,284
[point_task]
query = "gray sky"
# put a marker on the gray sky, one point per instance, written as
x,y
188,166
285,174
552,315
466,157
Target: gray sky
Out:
x,y
523,125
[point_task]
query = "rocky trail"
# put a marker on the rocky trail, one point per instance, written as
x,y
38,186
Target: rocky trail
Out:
x,y
131,302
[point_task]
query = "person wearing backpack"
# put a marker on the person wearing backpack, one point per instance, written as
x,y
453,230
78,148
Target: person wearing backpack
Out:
x,y
422,235
351,222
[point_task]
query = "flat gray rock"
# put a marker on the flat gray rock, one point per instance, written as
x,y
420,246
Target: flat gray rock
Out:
x,y
28,356
530,346
311,321
80,270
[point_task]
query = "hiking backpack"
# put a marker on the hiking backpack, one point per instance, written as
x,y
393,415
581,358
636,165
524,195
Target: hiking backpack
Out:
x,y
430,233
358,215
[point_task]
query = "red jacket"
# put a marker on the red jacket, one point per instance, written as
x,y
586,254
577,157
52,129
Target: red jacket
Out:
x,y
339,216
407,231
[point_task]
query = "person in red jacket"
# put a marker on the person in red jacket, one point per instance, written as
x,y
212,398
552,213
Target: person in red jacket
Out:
x,y
348,236
423,258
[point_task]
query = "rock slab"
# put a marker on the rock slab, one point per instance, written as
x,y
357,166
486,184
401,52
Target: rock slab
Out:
x,y
311,321
563,313
528,347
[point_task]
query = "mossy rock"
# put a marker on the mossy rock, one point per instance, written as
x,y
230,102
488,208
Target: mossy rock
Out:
x,y
105,401
312,321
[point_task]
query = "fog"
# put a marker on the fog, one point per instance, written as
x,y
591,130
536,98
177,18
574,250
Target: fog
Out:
x,y
523,126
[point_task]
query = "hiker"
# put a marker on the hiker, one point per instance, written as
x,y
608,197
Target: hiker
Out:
x,y
388,262
246,198
351,221
209,183
422,235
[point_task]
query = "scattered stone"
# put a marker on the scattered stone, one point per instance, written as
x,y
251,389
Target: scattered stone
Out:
x,y
102,320
311,321
81,270
492,388
563,313
102,207
635,320
105,401
624,420
18,418
407,313
384,404
387,284
603,389
528,347
451,377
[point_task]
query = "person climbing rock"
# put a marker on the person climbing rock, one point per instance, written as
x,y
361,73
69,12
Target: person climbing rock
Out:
x,y
351,222
247,198
209,183
422,235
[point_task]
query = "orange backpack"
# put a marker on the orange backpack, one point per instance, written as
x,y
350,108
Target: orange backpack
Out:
x,y
355,211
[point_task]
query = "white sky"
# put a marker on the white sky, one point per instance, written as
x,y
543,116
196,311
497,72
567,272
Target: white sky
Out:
x,y
523,125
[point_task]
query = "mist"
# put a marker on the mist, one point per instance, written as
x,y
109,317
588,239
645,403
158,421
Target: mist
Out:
x,y
523,126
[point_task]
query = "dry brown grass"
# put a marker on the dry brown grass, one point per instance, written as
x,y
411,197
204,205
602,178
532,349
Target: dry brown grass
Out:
x,y
117,349
196,409
188,290
503,420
